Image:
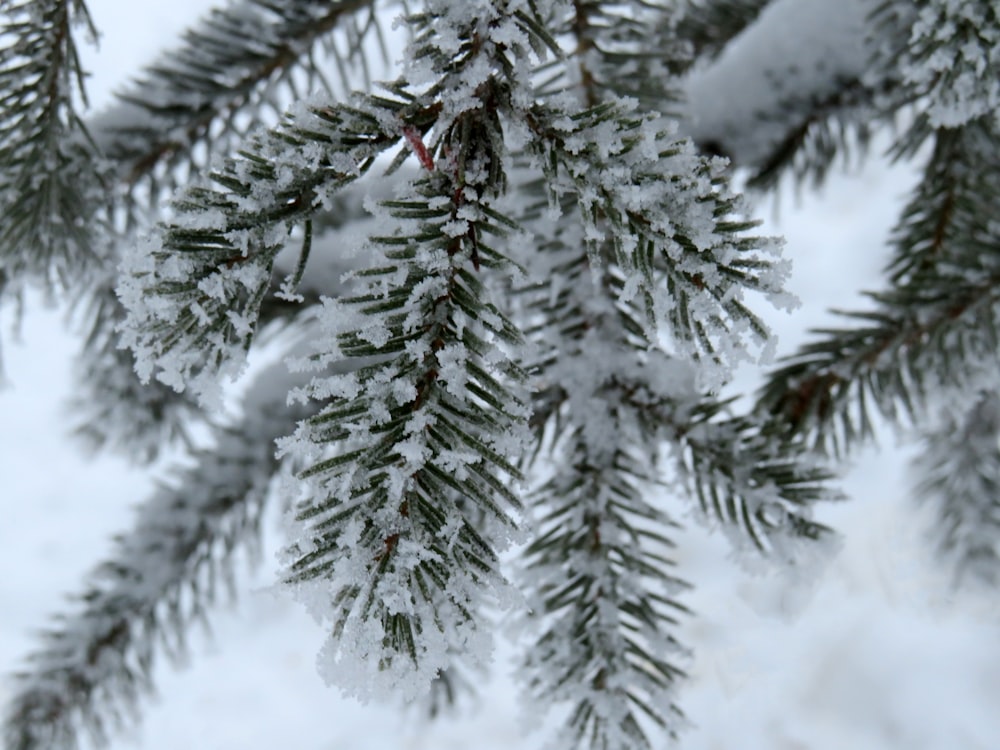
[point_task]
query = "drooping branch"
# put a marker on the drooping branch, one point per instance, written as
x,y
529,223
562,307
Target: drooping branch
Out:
x,y
232,65
958,473
51,190
935,326
95,663
196,315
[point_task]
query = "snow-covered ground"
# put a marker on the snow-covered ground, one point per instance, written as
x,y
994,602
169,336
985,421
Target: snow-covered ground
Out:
x,y
875,653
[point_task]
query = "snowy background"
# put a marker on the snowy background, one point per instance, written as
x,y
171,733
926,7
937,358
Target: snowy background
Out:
x,y
877,653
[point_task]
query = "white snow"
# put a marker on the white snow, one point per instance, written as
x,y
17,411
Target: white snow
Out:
x,y
795,45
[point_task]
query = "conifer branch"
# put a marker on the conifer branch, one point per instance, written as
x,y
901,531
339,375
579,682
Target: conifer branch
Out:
x,y
672,226
942,61
709,25
599,569
817,132
95,663
410,459
928,232
620,50
194,297
540,228
934,327
951,61
422,439
763,491
828,105
959,474
51,190
233,64
111,408
915,341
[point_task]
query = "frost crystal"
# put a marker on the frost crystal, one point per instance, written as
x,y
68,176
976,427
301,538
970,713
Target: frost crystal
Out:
x,y
409,503
955,59
673,230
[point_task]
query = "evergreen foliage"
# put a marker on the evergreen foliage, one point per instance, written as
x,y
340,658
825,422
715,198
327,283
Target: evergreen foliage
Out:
x,y
95,662
523,279
959,475
51,226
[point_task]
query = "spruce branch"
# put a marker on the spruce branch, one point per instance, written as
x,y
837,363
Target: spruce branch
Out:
x,y
763,491
114,410
194,297
596,368
522,141
421,441
819,130
410,459
95,663
619,50
597,573
942,59
675,230
959,475
952,61
111,408
741,478
709,25
604,598
935,327
233,65
941,228
915,341
803,117
51,189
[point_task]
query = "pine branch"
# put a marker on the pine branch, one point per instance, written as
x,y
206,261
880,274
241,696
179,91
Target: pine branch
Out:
x,y
676,232
620,50
234,64
959,474
935,327
599,569
421,440
95,663
194,297
709,25
111,408
51,192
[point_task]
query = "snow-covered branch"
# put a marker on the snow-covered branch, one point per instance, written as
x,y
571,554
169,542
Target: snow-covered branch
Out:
x,y
95,663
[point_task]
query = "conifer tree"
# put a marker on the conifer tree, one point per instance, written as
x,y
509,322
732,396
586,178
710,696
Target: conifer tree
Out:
x,y
510,278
